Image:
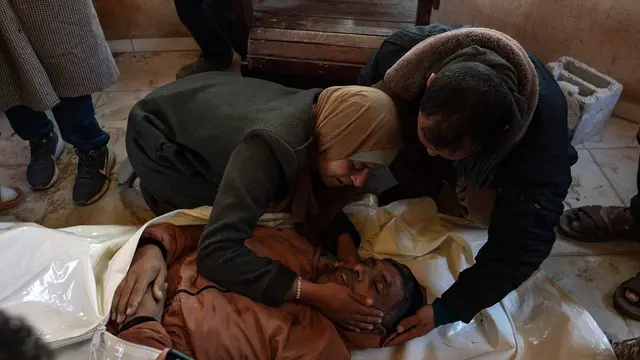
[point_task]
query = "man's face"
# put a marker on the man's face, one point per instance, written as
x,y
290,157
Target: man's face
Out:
x,y
345,172
467,148
373,278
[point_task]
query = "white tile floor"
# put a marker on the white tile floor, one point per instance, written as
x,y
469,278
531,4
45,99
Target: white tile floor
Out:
x,y
604,174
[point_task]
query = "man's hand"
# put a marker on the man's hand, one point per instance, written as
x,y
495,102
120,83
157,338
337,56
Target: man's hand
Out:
x,y
150,305
147,267
413,327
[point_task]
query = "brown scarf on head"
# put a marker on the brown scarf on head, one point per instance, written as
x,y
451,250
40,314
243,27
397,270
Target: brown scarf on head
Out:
x,y
407,77
349,119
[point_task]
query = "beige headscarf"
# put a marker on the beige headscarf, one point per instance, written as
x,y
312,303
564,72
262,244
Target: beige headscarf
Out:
x,y
350,120
355,119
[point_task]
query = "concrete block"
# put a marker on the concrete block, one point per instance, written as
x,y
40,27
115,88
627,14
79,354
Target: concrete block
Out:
x,y
595,93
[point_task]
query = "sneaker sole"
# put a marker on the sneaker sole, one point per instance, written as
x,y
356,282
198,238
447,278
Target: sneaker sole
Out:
x,y
111,163
56,174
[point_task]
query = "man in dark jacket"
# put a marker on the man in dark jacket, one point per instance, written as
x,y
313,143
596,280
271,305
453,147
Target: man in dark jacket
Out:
x,y
476,119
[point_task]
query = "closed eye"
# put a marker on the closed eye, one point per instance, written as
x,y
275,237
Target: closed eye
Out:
x,y
357,166
379,287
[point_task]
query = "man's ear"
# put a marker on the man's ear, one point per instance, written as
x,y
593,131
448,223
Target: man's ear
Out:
x,y
430,79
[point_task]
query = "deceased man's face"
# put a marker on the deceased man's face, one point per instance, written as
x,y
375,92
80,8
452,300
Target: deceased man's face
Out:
x,y
373,278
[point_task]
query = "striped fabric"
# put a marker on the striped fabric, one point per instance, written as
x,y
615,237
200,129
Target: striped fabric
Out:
x,y
51,49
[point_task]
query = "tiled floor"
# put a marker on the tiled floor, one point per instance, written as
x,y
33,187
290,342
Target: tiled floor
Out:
x,y
604,174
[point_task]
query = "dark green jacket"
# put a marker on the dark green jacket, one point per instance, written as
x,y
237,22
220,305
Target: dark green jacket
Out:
x,y
248,138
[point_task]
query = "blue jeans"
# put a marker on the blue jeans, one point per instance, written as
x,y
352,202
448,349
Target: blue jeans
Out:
x,y
75,117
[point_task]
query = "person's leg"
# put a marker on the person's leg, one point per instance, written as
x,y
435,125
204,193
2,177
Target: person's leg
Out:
x,y
79,127
202,18
635,201
30,125
632,296
233,18
76,119
168,179
596,223
35,127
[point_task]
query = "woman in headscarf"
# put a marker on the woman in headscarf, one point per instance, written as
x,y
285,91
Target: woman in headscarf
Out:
x,y
246,147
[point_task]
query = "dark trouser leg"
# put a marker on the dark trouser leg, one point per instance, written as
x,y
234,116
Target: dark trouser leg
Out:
x,y
218,26
168,179
233,18
78,125
635,201
30,125
44,144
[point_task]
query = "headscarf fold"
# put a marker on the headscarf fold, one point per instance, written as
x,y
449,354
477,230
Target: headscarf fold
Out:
x,y
349,120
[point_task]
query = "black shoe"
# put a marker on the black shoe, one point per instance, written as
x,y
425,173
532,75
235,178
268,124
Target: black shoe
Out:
x,y
203,65
92,180
42,171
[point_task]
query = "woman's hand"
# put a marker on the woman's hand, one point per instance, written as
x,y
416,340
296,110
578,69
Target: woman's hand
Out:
x,y
147,267
413,327
342,306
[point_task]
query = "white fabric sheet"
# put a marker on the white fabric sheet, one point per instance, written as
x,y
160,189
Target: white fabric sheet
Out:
x,y
63,281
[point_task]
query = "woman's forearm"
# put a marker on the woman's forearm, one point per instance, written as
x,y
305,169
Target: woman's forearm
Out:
x,y
308,292
243,194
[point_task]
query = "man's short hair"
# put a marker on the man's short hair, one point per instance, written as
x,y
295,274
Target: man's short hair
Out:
x,y
19,341
412,298
466,99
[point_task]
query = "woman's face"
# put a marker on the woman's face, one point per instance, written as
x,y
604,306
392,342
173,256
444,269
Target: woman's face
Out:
x,y
345,172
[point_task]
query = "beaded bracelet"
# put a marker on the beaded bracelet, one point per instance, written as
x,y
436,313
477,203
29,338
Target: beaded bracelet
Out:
x,y
298,288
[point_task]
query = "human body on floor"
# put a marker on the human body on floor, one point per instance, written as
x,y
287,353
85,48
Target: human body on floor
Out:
x,y
226,325
249,147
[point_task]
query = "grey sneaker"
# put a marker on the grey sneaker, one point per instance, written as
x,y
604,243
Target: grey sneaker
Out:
x,y
203,65
92,180
42,171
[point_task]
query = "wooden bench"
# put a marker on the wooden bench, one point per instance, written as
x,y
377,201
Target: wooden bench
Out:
x,y
319,43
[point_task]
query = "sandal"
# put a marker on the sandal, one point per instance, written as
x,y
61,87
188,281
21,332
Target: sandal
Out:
x,y
622,304
599,224
10,196
627,349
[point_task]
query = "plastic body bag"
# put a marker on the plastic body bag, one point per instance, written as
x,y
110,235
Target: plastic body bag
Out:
x,y
63,282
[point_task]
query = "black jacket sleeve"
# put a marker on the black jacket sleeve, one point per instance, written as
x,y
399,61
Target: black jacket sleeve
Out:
x,y
251,177
520,238
339,225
